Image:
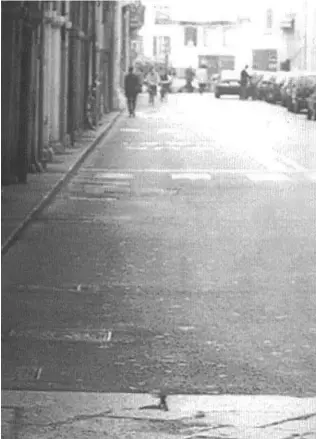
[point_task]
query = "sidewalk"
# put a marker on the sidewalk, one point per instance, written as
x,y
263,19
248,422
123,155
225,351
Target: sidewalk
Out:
x,y
47,415
21,201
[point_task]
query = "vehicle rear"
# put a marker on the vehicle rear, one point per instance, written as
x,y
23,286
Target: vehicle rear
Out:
x,y
264,85
311,105
286,89
228,84
274,87
301,90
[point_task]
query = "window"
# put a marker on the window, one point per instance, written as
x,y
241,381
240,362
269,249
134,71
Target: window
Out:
x,y
269,22
190,36
161,45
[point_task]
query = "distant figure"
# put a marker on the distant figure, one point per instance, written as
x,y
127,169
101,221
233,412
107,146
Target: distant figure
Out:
x,y
132,88
202,78
152,80
244,78
189,76
165,82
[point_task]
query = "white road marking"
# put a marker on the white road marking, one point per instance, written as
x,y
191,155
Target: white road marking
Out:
x,y
130,130
112,175
177,143
312,176
188,176
169,131
292,163
114,183
97,200
194,148
188,170
270,163
267,177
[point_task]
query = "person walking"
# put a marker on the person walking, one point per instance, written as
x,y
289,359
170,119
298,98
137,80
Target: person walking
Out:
x,y
164,84
244,78
152,81
189,77
132,88
202,78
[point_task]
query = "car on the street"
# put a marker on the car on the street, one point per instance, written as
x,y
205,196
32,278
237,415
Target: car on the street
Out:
x,y
301,88
263,85
274,87
178,85
311,106
227,84
285,89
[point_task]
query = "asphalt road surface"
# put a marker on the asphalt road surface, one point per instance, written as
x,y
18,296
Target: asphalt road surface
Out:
x,y
182,257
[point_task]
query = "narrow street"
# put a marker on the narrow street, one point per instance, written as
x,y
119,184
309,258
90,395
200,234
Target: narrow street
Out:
x,y
180,257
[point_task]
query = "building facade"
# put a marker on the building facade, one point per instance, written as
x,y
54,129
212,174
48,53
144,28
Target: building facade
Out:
x,y
62,69
289,29
183,38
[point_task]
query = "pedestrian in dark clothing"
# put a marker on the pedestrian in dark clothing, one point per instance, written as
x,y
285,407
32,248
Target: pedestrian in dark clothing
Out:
x,y
189,77
132,88
244,78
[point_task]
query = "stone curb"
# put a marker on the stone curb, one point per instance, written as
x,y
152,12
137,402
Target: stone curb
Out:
x,y
57,186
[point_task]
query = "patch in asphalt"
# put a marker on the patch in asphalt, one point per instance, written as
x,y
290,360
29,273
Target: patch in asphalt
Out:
x,y
27,373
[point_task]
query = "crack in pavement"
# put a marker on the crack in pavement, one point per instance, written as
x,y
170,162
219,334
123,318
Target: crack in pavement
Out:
x,y
69,420
297,418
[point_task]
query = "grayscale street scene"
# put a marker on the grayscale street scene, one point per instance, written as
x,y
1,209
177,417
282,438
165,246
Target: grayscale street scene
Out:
x,y
158,220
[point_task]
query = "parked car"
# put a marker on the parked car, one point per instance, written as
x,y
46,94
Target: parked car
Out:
x,y
178,85
285,89
311,106
227,84
302,87
256,78
273,90
263,85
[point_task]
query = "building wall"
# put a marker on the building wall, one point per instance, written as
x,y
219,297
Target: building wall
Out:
x,y
298,44
61,64
211,39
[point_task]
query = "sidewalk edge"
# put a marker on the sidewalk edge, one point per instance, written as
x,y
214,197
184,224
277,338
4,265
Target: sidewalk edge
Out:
x,y
52,192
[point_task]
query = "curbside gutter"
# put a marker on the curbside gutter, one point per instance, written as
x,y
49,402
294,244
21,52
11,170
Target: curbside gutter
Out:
x,y
57,186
